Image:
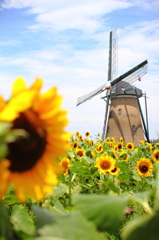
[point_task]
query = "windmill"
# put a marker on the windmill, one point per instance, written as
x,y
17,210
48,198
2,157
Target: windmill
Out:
x,y
123,113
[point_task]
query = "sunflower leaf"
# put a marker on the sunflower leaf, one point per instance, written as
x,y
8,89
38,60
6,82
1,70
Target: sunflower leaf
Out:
x,y
43,216
144,228
21,220
74,226
5,226
105,211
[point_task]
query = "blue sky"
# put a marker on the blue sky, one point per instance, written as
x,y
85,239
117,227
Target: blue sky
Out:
x,y
66,44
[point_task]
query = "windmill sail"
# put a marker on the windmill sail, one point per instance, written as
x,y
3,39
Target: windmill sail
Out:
x,y
91,94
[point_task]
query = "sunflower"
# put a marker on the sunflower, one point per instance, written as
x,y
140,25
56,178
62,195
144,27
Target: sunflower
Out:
x,y
121,139
91,143
65,164
129,146
77,133
99,148
116,148
80,137
142,142
111,144
149,147
119,146
75,145
157,144
124,156
114,154
31,163
87,134
115,170
98,134
106,139
105,164
93,154
155,156
80,152
144,167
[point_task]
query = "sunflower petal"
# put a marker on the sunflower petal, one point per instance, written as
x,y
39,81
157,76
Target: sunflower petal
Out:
x,y
19,86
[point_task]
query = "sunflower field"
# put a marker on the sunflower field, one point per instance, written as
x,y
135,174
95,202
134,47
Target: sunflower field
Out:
x,y
60,186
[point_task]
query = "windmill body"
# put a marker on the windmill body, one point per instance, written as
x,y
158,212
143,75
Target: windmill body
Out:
x,y
123,114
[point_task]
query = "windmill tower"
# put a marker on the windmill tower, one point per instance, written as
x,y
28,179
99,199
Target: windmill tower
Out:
x,y
123,113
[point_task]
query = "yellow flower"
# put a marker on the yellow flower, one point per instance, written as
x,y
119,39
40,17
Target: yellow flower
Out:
x,y
65,164
75,145
115,170
121,140
80,137
31,163
157,144
149,147
87,134
116,148
98,134
77,133
106,139
105,164
111,144
155,156
119,146
130,146
99,148
114,154
80,152
124,156
93,154
91,143
144,167
142,142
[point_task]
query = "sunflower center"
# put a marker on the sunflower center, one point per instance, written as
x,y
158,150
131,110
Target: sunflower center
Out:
x,y
143,168
80,153
105,165
114,170
157,156
25,152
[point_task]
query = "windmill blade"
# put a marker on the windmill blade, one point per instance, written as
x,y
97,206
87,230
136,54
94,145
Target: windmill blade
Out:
x,y
133,74
91,94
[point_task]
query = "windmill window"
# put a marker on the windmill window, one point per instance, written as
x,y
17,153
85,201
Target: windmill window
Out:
x,y
133,128
119,111
108,129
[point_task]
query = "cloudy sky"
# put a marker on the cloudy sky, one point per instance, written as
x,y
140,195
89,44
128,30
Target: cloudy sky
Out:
x,y
66,44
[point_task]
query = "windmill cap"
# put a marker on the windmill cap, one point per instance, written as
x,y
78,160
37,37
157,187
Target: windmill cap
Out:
x,y
121,86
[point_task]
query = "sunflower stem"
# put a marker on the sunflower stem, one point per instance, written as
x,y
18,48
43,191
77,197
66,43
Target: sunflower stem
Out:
x,y
106,178
69,187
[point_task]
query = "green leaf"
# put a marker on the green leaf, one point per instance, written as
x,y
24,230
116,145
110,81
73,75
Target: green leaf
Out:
x,y
123,177
21,220
43,216
105,211
71,227
5,226
124,166
3,151
111,186
48,238
59,191
144,228
71,154
58,209
142,198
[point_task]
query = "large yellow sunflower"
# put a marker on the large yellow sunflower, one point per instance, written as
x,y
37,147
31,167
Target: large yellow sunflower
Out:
x,y
144,167
130,146
65,163
31,163
105,163
155,156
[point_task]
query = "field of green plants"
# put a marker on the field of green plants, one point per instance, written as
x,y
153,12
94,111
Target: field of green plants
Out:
x,y
58,186
107,190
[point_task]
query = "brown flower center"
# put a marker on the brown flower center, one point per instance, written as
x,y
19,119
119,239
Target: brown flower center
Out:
x,y
80,153
143,168
25,152
105,165
114,170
